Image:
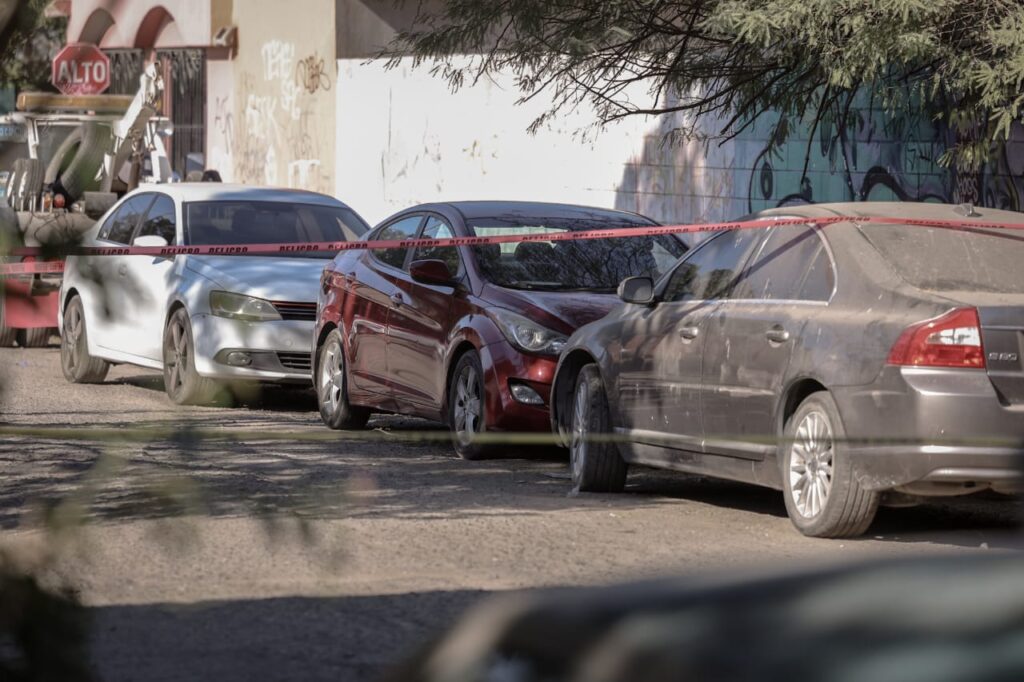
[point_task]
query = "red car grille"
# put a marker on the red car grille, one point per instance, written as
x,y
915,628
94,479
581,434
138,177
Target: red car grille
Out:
x,y
293,310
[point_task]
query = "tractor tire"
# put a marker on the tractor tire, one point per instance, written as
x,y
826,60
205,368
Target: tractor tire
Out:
x,y
14,183
7,335
32,182
63,156
37,337
80,175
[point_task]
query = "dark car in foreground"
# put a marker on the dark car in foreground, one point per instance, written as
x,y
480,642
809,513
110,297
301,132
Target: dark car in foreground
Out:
x,y
469,335
921,619
844,364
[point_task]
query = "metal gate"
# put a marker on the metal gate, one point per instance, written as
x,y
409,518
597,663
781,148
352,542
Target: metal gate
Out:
x,y
184,98
185,105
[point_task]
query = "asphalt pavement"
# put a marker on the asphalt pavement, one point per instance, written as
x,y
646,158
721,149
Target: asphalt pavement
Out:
x,y
277,550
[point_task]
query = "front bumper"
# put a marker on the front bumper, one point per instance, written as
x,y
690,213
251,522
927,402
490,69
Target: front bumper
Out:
x,y
280,349
928,430
503,366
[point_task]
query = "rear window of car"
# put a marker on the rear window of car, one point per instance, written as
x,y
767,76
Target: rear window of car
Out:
x,y
945,259
270,222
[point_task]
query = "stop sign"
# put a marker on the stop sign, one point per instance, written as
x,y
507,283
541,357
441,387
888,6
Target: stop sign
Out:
x,y
81,69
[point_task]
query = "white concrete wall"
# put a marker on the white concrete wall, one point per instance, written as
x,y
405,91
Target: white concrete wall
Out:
x,y
404,138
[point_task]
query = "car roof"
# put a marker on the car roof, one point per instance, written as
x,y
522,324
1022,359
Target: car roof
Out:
x,y
895,209
220,191
497,209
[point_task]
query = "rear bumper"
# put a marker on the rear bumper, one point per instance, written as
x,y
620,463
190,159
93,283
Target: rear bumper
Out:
x,y
937,427
268,342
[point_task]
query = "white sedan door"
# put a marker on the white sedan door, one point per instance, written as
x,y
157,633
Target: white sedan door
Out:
x,y
151,281
111,306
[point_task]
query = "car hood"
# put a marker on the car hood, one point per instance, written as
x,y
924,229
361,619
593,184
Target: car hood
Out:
x,y
562,311
272,278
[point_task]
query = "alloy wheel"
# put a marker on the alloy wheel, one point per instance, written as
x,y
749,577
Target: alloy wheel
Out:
x,y
332,377
811,464
580,428
72,335
177,356
468,406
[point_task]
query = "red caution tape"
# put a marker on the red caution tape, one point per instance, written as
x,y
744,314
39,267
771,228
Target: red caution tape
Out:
x,y
30,268
309,247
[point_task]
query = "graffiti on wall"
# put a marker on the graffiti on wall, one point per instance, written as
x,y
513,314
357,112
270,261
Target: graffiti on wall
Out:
x,y
860,154
311,74
866,155
276,140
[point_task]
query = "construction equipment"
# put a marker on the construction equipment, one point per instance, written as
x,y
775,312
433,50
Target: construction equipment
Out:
x,y
69,158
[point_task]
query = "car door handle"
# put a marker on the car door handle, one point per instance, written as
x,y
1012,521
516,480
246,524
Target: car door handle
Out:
x,y
396,300
122,269
777,335
689,333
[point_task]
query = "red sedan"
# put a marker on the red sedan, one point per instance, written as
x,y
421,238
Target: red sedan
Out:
x,y
468,336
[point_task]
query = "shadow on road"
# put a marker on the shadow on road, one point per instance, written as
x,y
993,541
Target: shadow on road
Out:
x,y
331,638
969,521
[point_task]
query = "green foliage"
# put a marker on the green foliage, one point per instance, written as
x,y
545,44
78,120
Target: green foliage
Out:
x,y
27,46
726,63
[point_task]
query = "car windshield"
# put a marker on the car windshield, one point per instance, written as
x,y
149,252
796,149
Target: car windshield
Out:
x,y
944,259
270,222
584,265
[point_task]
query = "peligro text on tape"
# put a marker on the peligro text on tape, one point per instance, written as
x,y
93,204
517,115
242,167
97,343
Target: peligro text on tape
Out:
x,y
10,269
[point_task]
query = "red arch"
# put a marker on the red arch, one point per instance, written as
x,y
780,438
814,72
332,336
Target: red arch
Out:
x,y
152,26
96,27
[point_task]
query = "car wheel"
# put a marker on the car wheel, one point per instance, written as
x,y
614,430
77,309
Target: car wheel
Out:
x,y
78,366
7,335
595,463
466,413
332,387
822,494
38,337
181,381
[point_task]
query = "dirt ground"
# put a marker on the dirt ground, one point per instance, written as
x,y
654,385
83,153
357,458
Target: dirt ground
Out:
x,y
244,558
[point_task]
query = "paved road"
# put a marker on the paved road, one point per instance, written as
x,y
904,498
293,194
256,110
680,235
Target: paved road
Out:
x,y
242,558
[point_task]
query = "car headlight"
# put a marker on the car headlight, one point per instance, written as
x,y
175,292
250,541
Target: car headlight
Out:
x,y
241,307
526,335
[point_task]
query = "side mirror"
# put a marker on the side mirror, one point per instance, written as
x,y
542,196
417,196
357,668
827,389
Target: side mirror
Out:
x,y
431,272
150,240
638,290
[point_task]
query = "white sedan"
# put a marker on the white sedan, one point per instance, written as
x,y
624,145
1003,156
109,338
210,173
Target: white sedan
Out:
x,y
205,320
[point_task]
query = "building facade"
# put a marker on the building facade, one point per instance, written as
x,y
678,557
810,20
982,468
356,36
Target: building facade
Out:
x,y
294,94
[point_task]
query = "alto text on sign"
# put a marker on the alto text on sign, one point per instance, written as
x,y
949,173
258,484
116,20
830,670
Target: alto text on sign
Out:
x,y
81,69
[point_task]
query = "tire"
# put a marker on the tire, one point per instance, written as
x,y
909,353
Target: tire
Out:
x,y
332,387
62,156
7,335
596,465
467,414
79,367
823,497
80,175
183,384
14,183
32,182
38,337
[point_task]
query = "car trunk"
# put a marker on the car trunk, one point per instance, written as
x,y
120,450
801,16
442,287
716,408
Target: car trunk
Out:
x,y
978,268
1002,337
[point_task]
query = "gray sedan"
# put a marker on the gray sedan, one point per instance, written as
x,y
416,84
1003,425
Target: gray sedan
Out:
x,y
846,364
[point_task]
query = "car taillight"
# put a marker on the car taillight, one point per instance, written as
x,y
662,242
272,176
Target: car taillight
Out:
x,y
951,340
